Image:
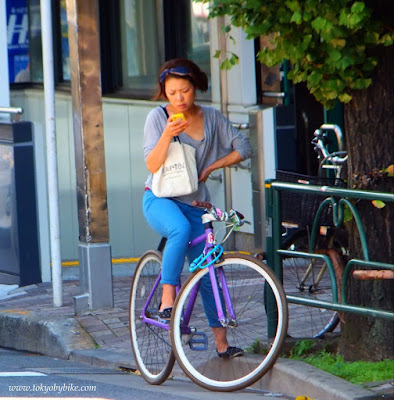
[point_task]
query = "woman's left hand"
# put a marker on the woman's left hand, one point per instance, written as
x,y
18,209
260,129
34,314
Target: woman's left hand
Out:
x,y
233,158
204,175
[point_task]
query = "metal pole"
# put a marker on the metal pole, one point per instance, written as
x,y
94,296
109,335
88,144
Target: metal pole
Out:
x,y
11,110
53,197
224,110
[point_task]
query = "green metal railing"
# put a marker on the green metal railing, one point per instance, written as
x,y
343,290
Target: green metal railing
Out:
x,y
339,199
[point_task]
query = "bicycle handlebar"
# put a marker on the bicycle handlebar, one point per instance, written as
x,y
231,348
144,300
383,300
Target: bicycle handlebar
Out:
x,y
320,142
338,133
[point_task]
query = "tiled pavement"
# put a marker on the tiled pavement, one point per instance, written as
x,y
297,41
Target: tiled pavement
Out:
x,y
107,327
110,328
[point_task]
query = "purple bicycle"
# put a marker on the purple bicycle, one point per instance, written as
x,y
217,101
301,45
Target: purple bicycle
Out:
x,y
239,284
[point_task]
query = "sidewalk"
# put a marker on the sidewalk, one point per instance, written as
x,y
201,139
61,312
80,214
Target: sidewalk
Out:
x,y
28,321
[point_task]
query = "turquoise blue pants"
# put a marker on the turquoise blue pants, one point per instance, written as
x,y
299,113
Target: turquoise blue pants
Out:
x,y
179,223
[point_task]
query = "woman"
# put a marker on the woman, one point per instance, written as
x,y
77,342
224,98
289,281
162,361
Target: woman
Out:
x,y
217,145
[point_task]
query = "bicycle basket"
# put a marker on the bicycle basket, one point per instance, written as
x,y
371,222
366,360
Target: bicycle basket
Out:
x,y
301,208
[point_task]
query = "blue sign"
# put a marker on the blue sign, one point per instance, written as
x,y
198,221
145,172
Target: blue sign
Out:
x,y
18,40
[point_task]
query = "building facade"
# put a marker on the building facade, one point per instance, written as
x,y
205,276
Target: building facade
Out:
x,y
136,37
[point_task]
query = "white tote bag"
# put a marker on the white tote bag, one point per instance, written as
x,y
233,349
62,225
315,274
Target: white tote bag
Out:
x,y
178,175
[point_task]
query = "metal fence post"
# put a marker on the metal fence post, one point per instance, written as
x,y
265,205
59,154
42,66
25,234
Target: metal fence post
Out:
x,y
272,244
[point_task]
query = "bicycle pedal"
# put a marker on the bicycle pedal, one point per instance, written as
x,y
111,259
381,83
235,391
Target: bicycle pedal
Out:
x,y
199,342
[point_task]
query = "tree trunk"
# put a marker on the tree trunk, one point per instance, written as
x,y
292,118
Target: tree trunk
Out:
x,y
369,127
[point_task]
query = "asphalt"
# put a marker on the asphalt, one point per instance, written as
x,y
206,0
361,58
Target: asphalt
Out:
x,y
30,322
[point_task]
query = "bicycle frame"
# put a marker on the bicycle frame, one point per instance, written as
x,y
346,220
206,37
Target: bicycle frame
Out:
x,y
209,238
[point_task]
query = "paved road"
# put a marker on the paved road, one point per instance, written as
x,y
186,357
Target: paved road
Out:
x,y
29,375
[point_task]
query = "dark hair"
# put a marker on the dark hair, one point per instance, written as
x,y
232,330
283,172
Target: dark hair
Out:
x,y
197,77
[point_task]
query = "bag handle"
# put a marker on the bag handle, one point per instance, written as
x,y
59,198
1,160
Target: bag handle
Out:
x,y
176,138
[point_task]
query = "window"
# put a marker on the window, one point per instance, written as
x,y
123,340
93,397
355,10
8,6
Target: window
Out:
x,y
155,31
35,44
141,43
199,49
136,37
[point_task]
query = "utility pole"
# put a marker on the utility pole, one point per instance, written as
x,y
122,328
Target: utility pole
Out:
x,y
94,249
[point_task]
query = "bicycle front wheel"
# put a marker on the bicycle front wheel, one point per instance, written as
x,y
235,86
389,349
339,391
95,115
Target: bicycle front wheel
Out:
x,y
194,345
150,343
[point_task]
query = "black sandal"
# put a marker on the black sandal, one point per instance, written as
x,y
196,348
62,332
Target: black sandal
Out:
x,y
165,314
231,352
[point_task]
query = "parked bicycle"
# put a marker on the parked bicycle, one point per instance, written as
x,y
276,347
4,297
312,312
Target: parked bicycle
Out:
x,y
238,282
310,277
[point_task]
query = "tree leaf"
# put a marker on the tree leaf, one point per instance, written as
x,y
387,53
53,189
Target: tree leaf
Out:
x,y
358,7
217,53
234,59
344,97
296,17
226,64
338,42
319,23
389,170
347,213
378,203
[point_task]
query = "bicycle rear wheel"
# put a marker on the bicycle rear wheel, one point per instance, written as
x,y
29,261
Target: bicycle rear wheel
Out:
x,y
195,350
150,344
309,278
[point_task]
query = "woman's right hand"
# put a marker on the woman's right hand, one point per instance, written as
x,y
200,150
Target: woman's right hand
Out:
x,y
158,154
175,127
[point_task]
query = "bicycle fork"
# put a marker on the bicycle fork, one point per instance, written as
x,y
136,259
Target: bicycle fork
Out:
x,y
315,282
231,320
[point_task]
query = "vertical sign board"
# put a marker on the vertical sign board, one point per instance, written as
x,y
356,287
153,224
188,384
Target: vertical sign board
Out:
x,y
18,40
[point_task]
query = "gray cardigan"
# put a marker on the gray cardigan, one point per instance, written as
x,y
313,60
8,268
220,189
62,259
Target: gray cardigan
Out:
x,y
221,138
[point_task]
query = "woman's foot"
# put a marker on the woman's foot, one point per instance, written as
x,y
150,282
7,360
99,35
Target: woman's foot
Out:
x,y
231,352
165,313
220,339
167,301
222,348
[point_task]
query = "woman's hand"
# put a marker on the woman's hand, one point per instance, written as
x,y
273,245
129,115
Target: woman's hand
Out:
x,y
175,127
158,154
233,158
204,174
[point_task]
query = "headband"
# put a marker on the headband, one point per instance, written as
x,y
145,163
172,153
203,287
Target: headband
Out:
x,y
176,71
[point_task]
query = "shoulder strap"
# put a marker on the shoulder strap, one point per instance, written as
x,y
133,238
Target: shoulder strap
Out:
x,y
165,111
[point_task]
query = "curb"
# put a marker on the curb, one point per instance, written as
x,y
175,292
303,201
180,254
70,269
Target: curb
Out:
x,y
293,377
103,358
66,339
52,337
290,377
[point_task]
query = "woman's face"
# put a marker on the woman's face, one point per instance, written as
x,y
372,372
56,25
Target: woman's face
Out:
x,y
180,93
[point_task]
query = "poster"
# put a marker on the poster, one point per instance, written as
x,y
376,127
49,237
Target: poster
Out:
x,y
18,40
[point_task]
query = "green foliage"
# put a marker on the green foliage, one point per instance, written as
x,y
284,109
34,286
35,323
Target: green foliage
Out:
x,y
228,63
328,42
258,347
356,372
301,347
